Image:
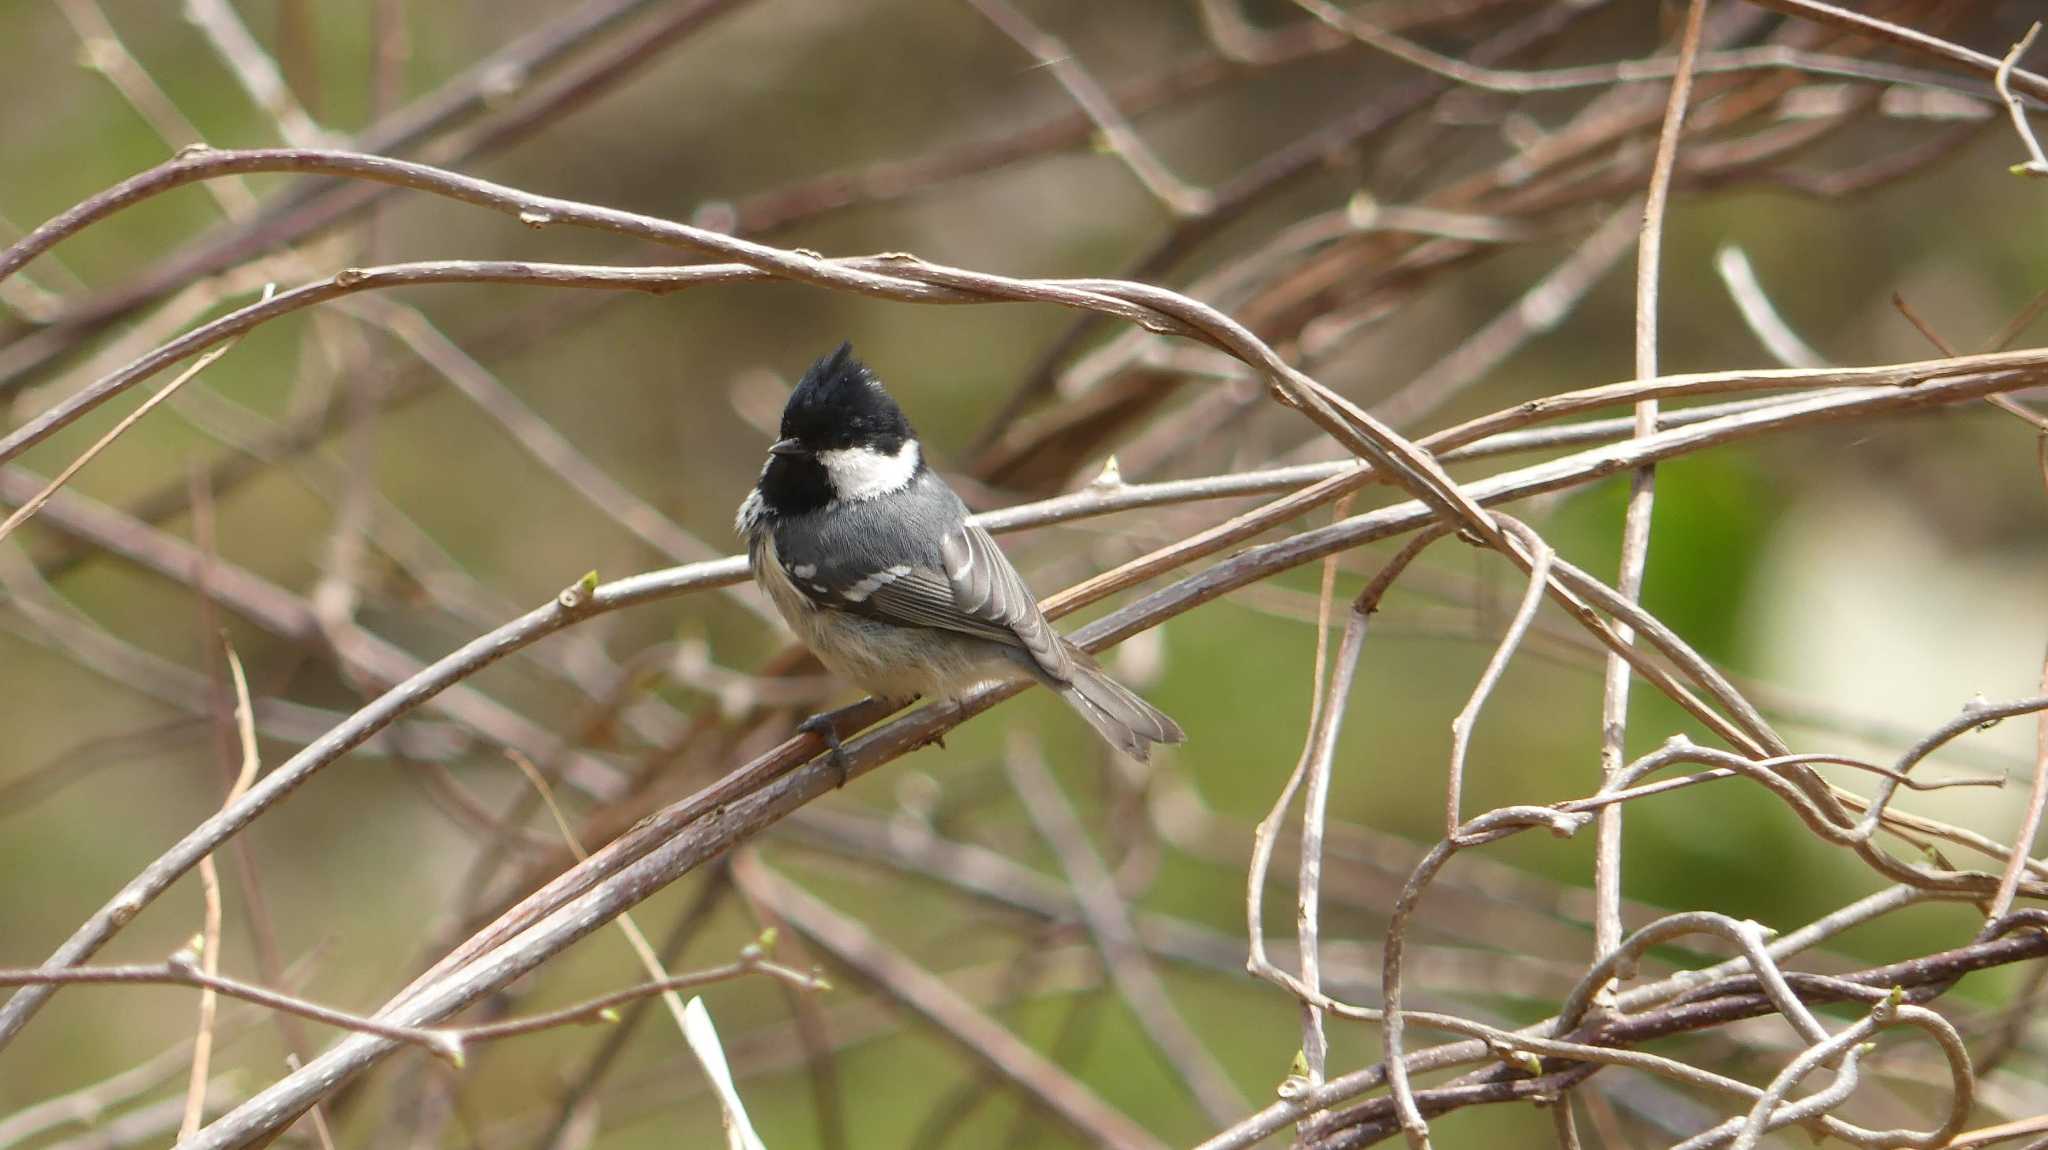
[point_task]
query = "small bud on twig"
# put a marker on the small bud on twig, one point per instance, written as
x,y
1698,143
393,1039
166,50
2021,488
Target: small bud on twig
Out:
x,y
578,594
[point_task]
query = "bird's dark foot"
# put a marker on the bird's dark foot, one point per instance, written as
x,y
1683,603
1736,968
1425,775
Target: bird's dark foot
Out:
x,y
938,738
825,725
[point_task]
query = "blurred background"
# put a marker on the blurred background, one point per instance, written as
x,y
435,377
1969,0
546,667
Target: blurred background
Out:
x,y
396,474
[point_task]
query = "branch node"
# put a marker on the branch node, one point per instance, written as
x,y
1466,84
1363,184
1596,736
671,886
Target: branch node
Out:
x,y
1565,824
500,82
577,595
98,54
1525,1061
447,1046
719,216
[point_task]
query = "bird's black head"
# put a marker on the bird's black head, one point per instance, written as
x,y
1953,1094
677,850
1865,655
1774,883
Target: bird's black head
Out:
x,y
842,438
840,404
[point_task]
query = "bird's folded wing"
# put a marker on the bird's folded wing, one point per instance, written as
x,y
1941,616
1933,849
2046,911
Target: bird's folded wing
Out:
x,y
978,593
985,587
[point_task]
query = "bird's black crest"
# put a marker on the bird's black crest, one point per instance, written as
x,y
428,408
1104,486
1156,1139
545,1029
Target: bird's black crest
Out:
x,y
840,403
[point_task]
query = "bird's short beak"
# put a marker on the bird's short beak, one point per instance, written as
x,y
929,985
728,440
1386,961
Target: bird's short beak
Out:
x,y
787,447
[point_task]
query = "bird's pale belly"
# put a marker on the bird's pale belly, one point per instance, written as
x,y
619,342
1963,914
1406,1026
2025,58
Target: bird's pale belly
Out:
x,y
884,659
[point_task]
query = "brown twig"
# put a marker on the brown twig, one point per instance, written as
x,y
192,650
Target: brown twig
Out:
x,y
35,503
1540,309
2030,822
183,969
1468,716
254,70
1635,531
209,880
1315,766
1521,82
600,1009
1868,25
1180,198
1763,319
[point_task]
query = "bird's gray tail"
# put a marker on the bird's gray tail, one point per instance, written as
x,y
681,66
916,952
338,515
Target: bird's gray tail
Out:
x,y
1130,724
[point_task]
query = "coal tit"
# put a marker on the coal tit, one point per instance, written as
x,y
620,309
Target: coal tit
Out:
x,y
869,556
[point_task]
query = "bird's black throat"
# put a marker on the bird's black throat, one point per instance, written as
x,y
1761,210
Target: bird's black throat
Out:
x,y
795,484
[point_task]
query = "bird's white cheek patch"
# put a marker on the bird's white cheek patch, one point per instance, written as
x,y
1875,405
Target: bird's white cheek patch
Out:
x,y
863,473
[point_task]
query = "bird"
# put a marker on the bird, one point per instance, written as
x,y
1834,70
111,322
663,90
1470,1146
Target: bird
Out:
x,y
870,558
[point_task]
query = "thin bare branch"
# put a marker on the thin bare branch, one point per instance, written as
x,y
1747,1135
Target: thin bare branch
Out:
x,y
1518,82
1763,319
1635,531
35,503
1179,197
183,969
1468,716
1882,29
2037,162
254,70
2030,823
209,944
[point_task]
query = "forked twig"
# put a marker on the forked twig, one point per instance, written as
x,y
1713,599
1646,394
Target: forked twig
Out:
x,y
2036,164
